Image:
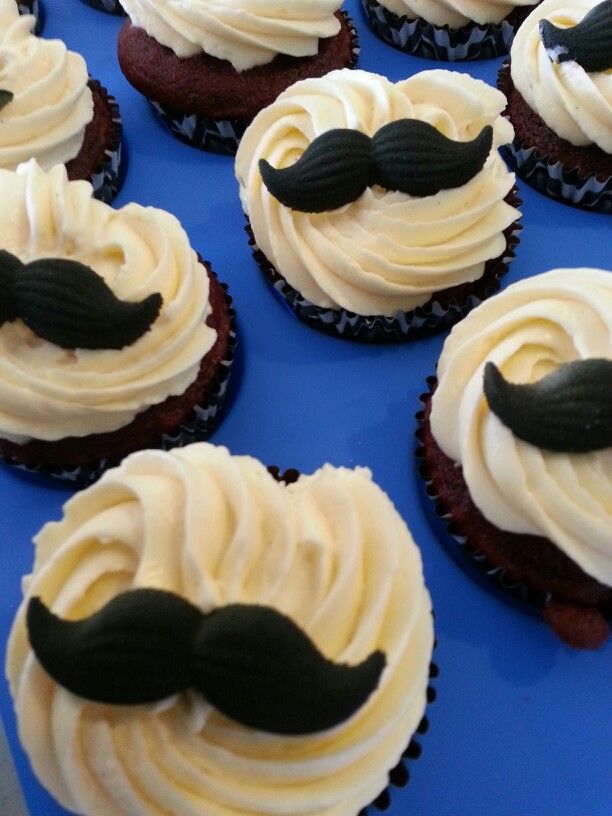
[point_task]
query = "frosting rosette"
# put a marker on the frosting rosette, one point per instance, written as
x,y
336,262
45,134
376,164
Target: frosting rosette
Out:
x,y
51,102
528,331
48,392
387,251
454,13
329,551
574,103
244,32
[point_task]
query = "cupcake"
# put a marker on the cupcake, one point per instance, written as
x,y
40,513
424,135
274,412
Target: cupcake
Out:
x,y
208,68
52,111
517,445
558,84
277,664
380,211
35,8
115,336
447,29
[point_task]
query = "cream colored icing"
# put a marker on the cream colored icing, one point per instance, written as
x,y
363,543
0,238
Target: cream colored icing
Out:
x,y
47,392
575,104
387,251
245,32
52,103
330,551
529,330
454,13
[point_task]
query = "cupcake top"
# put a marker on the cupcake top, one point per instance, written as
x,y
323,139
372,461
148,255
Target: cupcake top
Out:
x,y
385,250
534,328
48,104
330,552
566,78
244,32
49,392
454,13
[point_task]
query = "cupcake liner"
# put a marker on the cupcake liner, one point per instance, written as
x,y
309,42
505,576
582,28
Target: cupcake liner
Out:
x,y
106,181
34,7
220,135
198,426
438,314
109,6
423,39
551,178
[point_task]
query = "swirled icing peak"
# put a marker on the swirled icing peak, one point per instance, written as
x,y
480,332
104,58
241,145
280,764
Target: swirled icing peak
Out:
x,y
330,552
386,251
51,104
454,13
528,331
575,103
47,392
244,32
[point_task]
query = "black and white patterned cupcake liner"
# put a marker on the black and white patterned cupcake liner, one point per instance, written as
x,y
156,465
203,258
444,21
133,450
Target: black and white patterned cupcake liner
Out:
x,y
107,180
220,135
423,39
109,6
197,427
36,8
434,316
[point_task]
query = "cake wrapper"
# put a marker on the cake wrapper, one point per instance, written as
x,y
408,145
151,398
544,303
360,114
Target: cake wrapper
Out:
x,y
423,39
437,315
219,135
109,6
34,7
554,179
107,180
197,427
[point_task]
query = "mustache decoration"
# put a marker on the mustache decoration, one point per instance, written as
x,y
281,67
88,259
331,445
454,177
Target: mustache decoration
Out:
x,y
67,303
252,663
568,411
5,98
589,43
408,155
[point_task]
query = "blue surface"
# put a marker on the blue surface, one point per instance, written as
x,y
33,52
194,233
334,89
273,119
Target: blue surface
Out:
x,y
522,724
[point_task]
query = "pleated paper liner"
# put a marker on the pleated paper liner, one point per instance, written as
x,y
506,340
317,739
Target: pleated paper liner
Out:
x,y
423,39
36,8
197,427
106,180
399,776
550,177
493,577
439,313
109,6
221,135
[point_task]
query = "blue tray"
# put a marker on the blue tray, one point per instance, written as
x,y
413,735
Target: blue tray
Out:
x,y
522,724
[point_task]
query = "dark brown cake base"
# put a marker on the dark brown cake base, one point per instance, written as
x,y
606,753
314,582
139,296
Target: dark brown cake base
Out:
x,y
99,158
149,426
576,605
210,87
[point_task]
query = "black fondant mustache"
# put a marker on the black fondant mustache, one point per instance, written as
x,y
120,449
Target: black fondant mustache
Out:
x,y
252,663
589,43
5,98
408,155
67,303
568,411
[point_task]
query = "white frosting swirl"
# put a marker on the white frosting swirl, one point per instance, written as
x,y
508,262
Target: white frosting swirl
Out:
x,y
454,13
575,104
52,103
387,251
329,551
528,331
47,392
245,32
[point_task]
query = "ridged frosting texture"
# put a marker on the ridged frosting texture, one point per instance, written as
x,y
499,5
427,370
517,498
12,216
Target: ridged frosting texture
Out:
x,y
244,32
575,104
52,103
329,551
454,13
528,331
47,392
387,251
